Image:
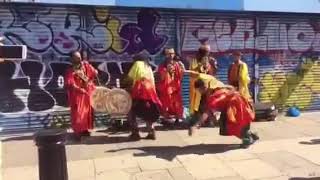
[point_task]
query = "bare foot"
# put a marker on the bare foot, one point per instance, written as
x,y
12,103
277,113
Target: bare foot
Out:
x,y
191,130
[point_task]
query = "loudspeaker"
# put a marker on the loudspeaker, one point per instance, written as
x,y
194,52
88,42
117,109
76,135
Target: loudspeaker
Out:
x,y
13,52
265,111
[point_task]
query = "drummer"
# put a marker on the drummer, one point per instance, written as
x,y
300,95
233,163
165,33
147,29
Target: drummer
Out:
x,y
79,85
146,103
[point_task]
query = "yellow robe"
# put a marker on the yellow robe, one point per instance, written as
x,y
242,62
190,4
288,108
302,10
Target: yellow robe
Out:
x,y
195,96
141,70
242,78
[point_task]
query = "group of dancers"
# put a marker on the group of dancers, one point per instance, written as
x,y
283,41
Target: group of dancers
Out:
x,y
159,94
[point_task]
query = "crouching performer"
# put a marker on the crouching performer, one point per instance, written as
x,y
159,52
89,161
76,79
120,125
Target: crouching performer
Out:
x,y
146,104
236,112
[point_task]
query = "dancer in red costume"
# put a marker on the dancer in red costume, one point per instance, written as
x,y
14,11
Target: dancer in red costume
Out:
x,y
169,85
236,111
146,103
79,85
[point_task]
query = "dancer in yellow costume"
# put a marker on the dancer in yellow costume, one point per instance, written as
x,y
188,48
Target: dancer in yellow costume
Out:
x,y
238,76
204,64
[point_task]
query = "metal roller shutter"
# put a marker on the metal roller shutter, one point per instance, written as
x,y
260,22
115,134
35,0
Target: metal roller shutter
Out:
x,y
288,61
224,32
31,92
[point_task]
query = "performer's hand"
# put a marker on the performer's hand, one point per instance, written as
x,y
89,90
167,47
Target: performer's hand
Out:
x,y
83,91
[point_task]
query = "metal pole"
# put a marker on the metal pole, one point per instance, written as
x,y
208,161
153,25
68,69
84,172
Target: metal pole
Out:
x,y
52,154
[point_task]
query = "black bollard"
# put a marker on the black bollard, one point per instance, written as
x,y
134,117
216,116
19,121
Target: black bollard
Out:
x,y
52,154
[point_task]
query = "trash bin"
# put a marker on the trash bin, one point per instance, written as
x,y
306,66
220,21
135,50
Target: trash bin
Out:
x,y
52,154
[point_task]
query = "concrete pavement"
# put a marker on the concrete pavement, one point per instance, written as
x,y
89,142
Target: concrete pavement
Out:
x,y
289,148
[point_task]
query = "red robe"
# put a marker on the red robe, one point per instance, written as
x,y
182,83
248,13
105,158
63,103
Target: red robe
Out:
x,y
80,103
239,112
169,90
144,89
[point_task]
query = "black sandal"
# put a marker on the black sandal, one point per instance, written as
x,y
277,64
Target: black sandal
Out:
x,y
151,135
134,137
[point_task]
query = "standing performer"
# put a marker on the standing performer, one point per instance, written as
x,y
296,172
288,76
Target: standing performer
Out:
x,y
203,63
236,112
146,103
79,85
169,85
238,76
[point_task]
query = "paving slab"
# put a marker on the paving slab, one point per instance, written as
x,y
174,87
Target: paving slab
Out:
x,y
254,169
180,173
89,151
277,178
154,175
149,163
114,163
205,166
236,155
304,172
174,155
81,169
308,152
13,156
276,131
21,172
264,146
284,160
132,171
228,178
116,175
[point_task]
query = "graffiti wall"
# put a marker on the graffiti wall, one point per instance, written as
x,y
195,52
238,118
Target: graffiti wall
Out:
x,y
280,50
282,53
225,33
108,38
289,70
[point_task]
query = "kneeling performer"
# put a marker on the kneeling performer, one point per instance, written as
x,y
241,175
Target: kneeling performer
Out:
x,y
236,112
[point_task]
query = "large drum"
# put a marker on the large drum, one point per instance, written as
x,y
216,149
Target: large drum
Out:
x,y
99,99
115,102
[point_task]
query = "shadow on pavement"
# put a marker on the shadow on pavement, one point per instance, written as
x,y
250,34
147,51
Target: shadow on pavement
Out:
x,y
170,152
311,142
94,140
18,138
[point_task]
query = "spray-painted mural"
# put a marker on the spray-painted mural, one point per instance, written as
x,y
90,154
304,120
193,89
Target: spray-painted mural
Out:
x,y
47,30
109,38
285,48
289,70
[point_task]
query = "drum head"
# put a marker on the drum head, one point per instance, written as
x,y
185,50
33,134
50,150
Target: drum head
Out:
x,y
119,102
99,99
